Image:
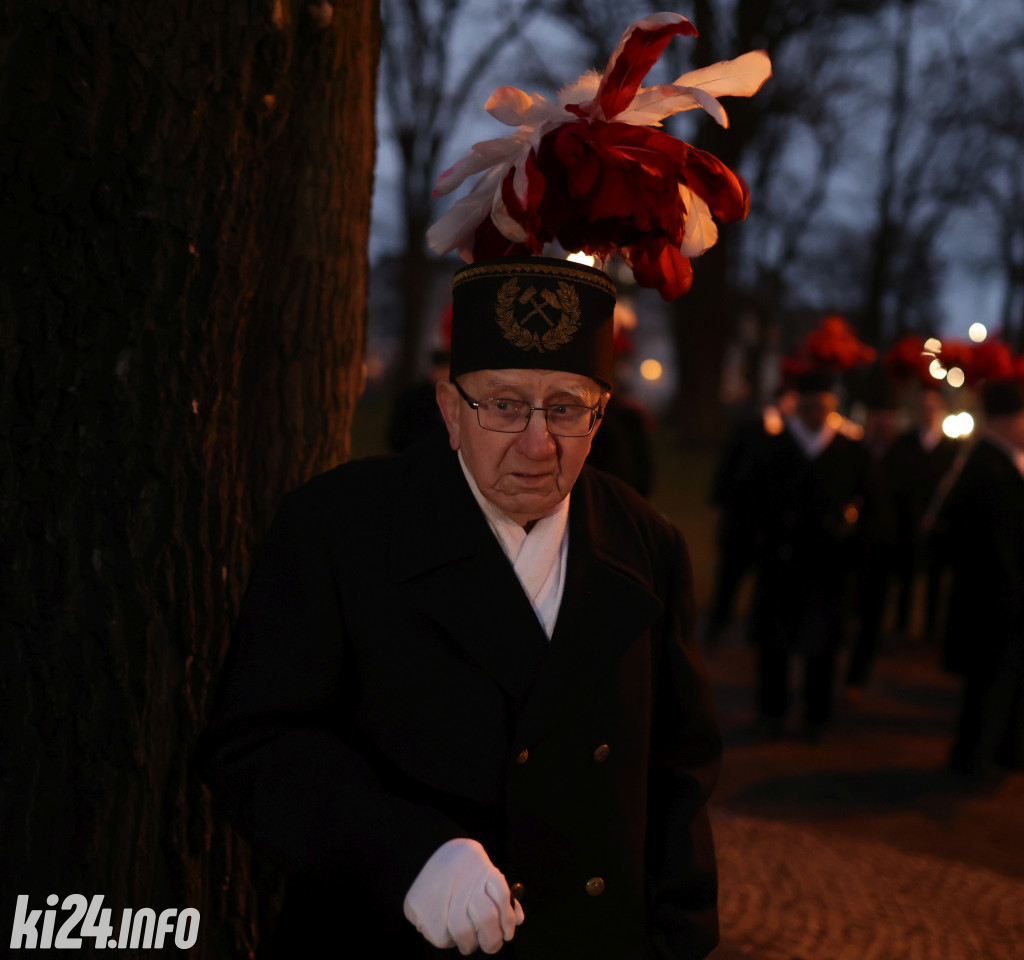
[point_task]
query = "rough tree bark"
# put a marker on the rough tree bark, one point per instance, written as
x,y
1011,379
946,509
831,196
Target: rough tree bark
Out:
x,y
184,210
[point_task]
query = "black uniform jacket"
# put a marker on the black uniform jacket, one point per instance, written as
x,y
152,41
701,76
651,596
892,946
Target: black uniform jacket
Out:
x,y
809,519
981,533
913,475
391,688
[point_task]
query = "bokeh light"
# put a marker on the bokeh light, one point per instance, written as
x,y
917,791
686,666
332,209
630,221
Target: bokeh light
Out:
x,y
958,425
936,369
931,345
650,369
977,332
955,377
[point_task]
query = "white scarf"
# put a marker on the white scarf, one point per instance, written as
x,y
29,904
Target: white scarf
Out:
x,y
812,442
538,557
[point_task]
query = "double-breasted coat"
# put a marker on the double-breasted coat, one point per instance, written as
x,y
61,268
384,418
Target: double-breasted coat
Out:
x,y
390,688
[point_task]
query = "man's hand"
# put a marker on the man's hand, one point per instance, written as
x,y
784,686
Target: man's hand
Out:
x,y
460,899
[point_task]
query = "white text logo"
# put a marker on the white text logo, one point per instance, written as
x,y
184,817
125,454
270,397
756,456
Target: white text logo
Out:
x,y
37,929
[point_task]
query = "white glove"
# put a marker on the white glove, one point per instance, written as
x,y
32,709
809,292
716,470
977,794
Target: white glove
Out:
x,y
460,899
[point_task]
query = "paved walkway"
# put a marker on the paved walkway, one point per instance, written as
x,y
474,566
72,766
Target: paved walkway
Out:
x,y
862,847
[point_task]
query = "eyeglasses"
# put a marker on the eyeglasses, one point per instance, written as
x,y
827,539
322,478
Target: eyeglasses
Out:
x,y
503,415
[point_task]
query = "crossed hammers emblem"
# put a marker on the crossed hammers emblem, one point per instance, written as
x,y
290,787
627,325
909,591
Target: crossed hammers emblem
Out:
x,y
549,299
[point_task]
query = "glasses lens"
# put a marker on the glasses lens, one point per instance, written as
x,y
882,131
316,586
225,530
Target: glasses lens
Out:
x,y
505,416
570,420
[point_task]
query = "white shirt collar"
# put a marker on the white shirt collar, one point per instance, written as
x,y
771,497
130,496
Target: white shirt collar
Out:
x,y
811,442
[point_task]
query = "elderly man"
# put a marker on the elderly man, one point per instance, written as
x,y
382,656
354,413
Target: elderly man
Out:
x,y
464,707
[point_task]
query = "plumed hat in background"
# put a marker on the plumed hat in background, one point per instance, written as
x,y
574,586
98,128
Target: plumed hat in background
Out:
x,y
925,362
829,350
593,173
907,361
1000,377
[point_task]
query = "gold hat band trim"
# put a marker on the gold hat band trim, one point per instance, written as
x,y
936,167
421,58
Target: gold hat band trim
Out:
x,y
516,268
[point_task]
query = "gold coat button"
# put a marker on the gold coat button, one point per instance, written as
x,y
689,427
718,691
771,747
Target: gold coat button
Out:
x,y
601,753
517,890
595,886
523,756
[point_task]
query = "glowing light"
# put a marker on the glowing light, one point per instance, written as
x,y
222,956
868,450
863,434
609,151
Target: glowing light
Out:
x,y
650,369
773,422
936,369
624,316
977,332
955,377
958,425
931,345
581,257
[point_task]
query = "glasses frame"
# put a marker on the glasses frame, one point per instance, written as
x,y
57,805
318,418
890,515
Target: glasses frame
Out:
x,y
596,413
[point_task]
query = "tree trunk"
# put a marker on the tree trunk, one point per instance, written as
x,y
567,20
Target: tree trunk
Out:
x,y
415,276
702,325
184,211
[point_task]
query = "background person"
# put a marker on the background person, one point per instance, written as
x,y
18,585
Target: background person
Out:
x,y
877,559
811,483
921,456
734,538
981,531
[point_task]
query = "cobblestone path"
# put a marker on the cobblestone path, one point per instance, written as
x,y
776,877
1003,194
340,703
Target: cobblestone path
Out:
x,y
863,847
791,893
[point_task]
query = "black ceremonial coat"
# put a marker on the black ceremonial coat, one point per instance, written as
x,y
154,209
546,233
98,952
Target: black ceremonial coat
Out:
x,y
981,534
390,688
809,520
913,475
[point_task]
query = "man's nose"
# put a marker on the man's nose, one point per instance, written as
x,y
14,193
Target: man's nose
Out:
x,y
535,440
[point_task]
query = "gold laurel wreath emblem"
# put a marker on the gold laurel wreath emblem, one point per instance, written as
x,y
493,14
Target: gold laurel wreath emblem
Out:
x,y
566,300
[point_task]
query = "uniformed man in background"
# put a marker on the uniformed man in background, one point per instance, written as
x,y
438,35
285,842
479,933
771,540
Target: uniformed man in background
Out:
x,y
808,493
981,536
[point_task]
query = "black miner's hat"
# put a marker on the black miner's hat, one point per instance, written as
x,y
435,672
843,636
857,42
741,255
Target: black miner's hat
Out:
x,y
533,313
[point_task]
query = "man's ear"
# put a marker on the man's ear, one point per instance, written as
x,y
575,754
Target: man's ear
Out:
x,y
449,403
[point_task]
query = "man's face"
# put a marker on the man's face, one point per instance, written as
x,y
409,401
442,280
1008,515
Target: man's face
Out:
x,y
814,408
524,474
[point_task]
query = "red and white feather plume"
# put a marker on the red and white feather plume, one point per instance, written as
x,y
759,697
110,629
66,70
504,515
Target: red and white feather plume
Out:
x,y
596,174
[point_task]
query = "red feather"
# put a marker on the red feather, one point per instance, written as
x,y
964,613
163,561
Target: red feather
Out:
x,y
660,265
640,51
